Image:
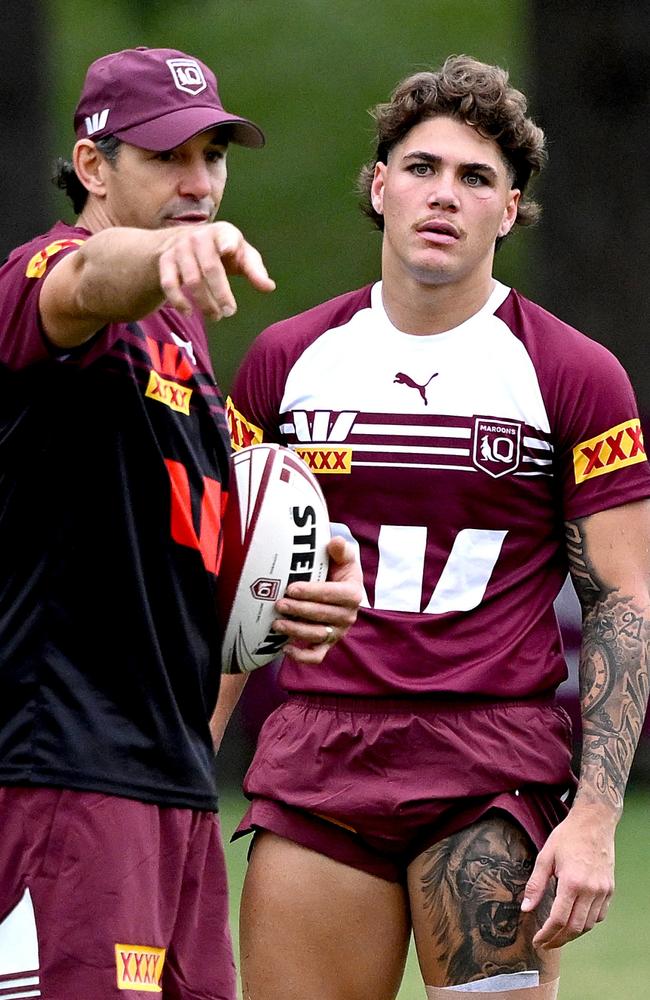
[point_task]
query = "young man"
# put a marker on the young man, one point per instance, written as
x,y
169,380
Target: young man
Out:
x,y
473,448
114,455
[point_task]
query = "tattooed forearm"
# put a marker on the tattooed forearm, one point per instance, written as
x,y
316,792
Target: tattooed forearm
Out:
x,y
584,584
613,677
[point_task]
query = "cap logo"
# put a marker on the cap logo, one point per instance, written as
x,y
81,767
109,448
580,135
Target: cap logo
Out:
x,y
187,75
96,121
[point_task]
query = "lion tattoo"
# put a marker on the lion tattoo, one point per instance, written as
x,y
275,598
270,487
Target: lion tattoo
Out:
x,y
473,885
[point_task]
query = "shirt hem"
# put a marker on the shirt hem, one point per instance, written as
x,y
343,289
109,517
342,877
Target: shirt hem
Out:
x,y
160,797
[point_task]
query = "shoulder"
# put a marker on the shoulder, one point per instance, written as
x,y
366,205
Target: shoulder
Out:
x,y
302,329
261,379
22,278
33,258
550,341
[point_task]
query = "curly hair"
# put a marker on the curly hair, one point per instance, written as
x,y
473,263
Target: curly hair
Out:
x,y
65,177
472,92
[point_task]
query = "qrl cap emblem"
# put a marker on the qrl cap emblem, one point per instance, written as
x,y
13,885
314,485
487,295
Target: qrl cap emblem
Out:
x,y
266,589
187,75
496,447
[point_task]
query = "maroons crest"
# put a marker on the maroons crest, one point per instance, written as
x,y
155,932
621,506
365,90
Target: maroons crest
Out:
x,y
496,445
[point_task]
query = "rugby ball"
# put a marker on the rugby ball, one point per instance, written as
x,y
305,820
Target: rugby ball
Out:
x,y
275,531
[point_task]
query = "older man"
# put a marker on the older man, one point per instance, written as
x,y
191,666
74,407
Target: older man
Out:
x,y
114,456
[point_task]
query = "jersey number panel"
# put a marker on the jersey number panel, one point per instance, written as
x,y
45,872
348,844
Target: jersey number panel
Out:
x,y
400,572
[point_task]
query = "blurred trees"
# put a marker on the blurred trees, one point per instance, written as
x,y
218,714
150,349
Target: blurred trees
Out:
x,y
25,110
307,73
591,76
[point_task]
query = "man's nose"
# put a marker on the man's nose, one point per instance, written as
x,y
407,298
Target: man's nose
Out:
x,y
443,191
195,180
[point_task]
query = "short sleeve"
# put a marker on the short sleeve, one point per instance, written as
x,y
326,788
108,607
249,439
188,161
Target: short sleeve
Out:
x,y
601,449
22,339
254,404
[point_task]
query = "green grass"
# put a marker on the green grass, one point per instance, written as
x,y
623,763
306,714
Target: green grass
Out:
x,y
610,963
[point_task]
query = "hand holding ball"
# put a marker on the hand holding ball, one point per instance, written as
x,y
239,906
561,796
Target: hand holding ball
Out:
x,y
276,529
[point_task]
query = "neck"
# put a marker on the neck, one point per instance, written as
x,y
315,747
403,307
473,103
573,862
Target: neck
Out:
x,y
94,217
423,308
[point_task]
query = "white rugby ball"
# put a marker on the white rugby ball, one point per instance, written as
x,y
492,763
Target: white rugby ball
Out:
x,y
275,531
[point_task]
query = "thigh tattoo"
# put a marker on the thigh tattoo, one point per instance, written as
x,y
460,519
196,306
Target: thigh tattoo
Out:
x,y
472,884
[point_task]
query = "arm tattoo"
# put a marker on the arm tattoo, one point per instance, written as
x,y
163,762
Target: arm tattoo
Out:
x,y
472,884
613,676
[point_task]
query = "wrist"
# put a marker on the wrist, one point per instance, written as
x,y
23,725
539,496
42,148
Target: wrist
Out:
x,y
600,808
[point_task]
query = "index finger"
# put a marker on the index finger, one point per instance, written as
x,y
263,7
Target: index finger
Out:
x,y
241,257
251,266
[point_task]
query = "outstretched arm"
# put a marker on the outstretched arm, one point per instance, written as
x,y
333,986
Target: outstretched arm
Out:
x,y
609,558
120,274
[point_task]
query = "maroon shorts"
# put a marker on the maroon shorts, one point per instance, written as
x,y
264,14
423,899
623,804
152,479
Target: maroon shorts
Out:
x,y
374,782
101,895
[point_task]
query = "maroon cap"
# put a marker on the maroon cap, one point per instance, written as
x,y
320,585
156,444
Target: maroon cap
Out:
x,y
155,99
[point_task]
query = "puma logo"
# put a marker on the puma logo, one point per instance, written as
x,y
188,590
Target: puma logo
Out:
x,y
403,379
185,345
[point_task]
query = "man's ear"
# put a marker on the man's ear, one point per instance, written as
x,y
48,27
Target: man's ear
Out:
x,y
377,188
90,166
510,212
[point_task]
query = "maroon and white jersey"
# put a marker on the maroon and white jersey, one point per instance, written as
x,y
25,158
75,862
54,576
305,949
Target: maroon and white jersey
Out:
x,y
452,462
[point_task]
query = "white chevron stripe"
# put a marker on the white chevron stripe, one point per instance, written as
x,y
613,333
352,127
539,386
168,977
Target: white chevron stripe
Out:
x,y
19,940
411,430
8,984
19,996
405,449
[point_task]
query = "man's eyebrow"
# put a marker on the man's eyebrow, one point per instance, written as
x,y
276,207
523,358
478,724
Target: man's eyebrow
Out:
x,y
419,154
480,168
